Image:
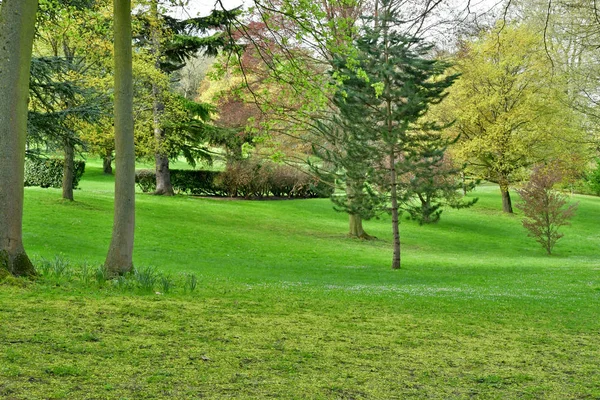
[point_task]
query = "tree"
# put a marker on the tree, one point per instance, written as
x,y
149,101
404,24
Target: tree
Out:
x,y
172,42
510,108
119,259
434,184
390,87
17,25
544,208
297,43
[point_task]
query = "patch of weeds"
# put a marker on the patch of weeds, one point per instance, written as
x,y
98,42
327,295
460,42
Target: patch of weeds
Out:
x,y
90,337
86,274
492,380
146,278
101,275
43,267
191,282
63,370
166,283
12,356
58,268
124,282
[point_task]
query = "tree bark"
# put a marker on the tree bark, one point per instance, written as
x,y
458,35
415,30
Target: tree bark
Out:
x,y
355,221
68,171
356,228
395,219
107,164
17,23
506,202
163,175
119,259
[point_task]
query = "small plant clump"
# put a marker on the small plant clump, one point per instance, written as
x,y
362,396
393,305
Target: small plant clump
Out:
x,y
545,209
144,279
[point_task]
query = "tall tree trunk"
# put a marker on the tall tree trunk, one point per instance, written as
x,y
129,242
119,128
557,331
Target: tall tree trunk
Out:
x,y
68,171
163,175
107,163
395,219
506,202
17,23
119,259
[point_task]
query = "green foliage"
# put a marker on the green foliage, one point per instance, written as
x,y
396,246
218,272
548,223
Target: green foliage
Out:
x,y
434,186
191,282
510,107
146,179
544,208
49,172
146,278
592,179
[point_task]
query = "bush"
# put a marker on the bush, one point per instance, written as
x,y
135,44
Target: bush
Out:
x,y
196,182
248,179
49,172
544,208
146,180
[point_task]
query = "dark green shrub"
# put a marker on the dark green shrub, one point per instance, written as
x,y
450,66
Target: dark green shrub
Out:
x,y
48,172
146,180
196,182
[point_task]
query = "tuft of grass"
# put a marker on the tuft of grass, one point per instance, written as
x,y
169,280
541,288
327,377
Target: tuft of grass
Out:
x,y
191,282
146,278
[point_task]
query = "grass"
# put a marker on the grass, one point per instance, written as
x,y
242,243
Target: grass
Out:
x,y
285,306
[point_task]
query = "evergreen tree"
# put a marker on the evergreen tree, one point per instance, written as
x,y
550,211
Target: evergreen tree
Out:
x,y
172,42
388,88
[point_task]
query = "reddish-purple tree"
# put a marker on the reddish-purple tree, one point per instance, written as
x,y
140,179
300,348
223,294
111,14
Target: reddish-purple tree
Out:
x,y
545,209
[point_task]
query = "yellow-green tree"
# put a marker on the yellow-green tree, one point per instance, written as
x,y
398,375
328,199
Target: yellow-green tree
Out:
x,y
510,107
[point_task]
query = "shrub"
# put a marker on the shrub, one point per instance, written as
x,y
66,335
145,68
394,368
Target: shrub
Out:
x,y
247,178
544,208
49,172
196,182
146,180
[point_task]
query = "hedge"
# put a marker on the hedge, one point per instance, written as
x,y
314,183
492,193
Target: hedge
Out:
x,y
48,172
242,179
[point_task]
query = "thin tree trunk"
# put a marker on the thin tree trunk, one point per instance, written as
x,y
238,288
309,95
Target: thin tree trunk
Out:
x,y
119,259
163,175
395,219
107,164
506,202
68,171
17,22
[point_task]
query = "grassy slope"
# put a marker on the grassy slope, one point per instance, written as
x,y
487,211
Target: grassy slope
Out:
x,y
289,308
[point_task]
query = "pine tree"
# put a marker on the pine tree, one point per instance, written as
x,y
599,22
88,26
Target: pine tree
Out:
x,y
389,87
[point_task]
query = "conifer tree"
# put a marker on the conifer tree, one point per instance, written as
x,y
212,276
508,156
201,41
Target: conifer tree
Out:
x,y
389,87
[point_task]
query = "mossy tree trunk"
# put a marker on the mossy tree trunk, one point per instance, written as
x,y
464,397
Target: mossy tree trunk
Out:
x,y
120,254
17,23
68,171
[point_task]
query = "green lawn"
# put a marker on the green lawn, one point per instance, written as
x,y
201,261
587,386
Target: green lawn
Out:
x,y
288,307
